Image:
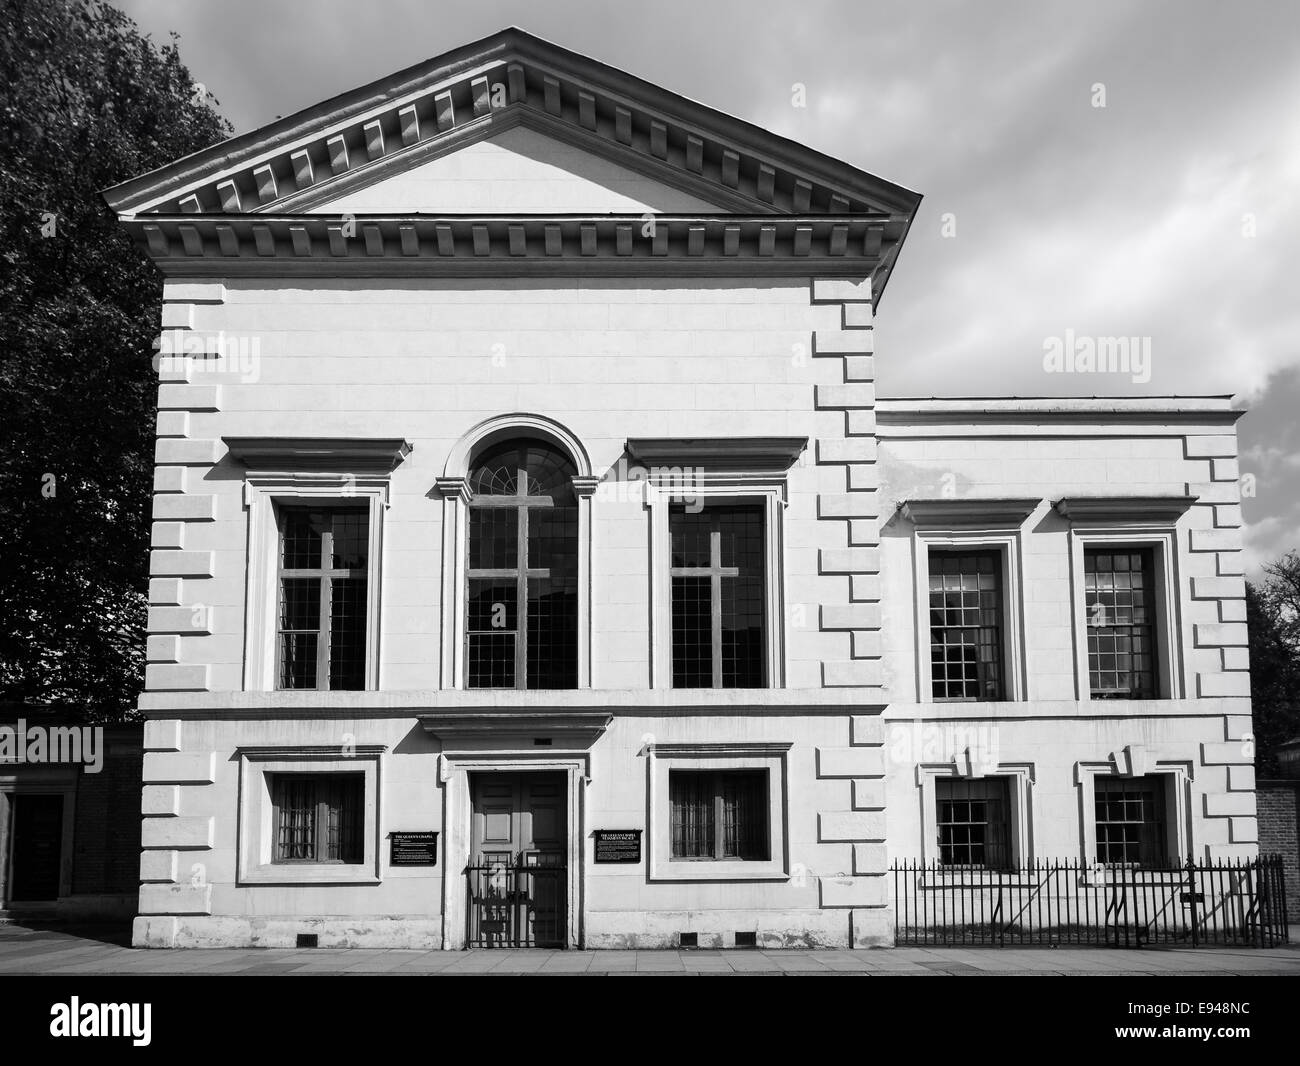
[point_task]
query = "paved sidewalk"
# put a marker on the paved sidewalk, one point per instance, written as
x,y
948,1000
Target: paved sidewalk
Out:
x,y
26,950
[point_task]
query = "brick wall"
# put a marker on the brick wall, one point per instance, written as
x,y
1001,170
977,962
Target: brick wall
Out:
x,y
106,841
1279,833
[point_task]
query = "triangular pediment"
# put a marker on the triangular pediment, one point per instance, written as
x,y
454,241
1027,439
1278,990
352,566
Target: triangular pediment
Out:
x,y
517,171
484,89
497,147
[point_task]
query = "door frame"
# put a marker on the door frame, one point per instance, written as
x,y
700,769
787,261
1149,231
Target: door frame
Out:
x,y
458,810
36,781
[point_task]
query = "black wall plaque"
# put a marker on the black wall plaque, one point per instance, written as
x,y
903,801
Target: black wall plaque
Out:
x,y
413,849
618,845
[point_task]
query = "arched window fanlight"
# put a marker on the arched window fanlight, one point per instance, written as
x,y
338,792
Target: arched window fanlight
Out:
x,y
522,599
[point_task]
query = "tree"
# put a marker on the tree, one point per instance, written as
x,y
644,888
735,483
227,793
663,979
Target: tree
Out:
x,y
1273,618
86,102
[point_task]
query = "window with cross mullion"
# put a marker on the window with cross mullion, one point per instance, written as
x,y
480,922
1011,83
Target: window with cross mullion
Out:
x,y
718,600
521,628
322,619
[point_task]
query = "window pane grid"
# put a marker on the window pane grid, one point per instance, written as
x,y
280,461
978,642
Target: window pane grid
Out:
x,y
321,633
1118,592
692,815
719,814
718,597
553,633
966,625
692,633
492,620
348,633
744,822
522,596
318,817
1130,817
296,804
493,538
973,817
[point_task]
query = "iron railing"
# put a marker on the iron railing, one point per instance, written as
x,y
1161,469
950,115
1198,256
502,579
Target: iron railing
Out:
x,y
1238,903
514,904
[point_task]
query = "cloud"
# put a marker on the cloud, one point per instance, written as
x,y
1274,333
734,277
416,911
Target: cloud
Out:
x,y
1269,436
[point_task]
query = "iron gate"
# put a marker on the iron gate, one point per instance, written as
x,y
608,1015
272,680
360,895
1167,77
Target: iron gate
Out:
x,y
516,902
1241,903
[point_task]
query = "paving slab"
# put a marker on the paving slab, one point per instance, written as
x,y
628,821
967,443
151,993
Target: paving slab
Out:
x,y
40,951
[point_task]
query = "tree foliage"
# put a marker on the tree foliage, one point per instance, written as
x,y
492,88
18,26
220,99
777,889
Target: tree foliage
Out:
x,y
86,102
1273,616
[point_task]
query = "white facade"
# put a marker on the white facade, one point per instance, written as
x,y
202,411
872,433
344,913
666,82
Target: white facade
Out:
x,y
520,242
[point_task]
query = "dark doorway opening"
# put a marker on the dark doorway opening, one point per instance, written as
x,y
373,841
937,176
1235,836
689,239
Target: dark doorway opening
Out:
x,y
37,847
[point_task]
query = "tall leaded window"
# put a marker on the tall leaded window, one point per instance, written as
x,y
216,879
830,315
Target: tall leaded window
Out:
x,y
718,599
321,635
1130,814
966,625
974,821
522,601
719,814
1119,588
318,817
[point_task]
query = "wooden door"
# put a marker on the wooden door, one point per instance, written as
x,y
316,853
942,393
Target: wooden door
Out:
x,y
519,818
518,846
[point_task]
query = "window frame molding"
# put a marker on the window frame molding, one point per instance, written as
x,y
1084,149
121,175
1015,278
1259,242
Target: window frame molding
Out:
x,y
51,779
1130,762
664,758
454,491
263,495
1171,683
308,470
324,574
1020,793
1007,544
770,495
454,768
255,841
723,469
320,839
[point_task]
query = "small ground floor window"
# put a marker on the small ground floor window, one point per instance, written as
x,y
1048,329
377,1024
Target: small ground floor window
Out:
x,y
974,822
318,817
719,814
1131,826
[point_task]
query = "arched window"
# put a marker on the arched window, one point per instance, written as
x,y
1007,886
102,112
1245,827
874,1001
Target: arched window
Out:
x,y
522,596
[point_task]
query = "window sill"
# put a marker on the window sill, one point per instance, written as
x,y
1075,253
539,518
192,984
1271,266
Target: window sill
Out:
x,y
718,870
310,874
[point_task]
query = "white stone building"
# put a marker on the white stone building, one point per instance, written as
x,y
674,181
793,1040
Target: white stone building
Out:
x,y
524,503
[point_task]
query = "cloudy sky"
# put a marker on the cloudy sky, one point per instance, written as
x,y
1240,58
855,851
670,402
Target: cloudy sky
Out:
x,y
1111,169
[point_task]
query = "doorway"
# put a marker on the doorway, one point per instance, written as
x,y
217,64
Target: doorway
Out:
x,y
517,873
37,833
